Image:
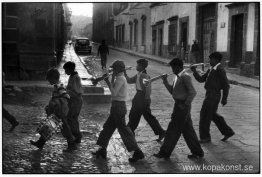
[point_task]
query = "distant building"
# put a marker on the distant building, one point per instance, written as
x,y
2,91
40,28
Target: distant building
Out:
x,y
33,38
103,23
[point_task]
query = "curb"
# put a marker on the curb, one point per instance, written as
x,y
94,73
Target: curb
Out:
x,y
233,82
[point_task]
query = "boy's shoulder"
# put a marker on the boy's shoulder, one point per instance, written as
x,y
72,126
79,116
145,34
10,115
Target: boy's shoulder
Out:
x,y
60,91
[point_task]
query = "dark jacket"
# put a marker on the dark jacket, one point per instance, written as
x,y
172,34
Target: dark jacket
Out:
x,y
215,81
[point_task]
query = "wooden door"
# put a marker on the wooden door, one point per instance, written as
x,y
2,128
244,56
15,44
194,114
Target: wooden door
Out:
x,y
208,38
160,41
154,42
236,40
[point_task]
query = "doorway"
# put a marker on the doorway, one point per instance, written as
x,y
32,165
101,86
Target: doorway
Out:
x,y
154,42
236,40
160,41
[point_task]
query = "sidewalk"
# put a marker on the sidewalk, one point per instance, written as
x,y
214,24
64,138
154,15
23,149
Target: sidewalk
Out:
x,y
234,79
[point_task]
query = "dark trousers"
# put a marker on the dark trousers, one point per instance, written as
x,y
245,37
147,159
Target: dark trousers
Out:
x,y
67,132
209,112
116,120
75,105
141,106
8,116
181,123
103,60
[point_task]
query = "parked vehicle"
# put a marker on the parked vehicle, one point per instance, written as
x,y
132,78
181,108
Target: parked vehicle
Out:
x,y
83,45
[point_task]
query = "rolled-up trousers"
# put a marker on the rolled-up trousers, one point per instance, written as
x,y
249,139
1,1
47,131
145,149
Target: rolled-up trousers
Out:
x,y
181,123
116,120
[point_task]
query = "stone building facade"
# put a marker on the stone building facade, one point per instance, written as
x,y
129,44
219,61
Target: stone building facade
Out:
x,y
33,39
103,23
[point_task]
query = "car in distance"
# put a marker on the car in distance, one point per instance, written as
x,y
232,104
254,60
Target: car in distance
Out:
x,y
82,45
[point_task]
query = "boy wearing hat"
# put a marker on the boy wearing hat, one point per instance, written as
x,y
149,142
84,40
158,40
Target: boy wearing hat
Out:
x,y
215,80
141,101
116,119
183,93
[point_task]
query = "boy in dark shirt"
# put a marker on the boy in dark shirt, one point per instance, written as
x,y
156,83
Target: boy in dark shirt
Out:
x,y
183,92
215,80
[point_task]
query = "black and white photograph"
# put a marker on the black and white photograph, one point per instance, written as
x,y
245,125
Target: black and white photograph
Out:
x,y
130,87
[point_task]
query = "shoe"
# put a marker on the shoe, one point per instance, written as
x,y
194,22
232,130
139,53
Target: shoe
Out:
x,y
227,136
161,155
70,148
205,141
37,144
100,153
138,154
195,156
162,136
13,126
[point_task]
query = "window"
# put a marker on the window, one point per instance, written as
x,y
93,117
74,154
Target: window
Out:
x,y
172,34
123,33
135,31
143,29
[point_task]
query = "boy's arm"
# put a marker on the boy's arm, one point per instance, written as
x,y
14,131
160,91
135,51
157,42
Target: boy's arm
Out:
x,y
225,85
130,80
190,88
114,86
167,85
197,75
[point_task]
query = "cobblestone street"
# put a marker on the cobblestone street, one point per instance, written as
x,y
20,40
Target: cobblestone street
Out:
x,y
241,113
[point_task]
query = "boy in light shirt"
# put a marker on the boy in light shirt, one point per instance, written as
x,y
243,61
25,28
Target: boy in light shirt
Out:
x,y
116,119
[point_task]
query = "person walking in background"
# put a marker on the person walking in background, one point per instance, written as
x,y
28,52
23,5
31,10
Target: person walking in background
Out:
x,y
116,119
215,80
195,52
103,51
75,90
183,93
141,102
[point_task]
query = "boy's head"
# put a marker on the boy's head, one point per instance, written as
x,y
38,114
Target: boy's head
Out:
x,y
177,65
69,67
118,66
52,76
215,58
141,64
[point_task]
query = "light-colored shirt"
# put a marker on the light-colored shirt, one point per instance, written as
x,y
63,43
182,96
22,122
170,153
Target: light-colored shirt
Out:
x,y
119,88
138,84
74,86
175,77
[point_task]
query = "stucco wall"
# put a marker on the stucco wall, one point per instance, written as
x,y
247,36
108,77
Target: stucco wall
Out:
x,y
222,27
250,27
175,9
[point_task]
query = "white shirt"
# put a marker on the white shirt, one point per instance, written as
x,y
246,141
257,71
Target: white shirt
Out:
x,y
138,86
175,77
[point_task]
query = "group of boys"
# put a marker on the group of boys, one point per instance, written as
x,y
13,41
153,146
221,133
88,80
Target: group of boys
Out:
x,y
182,91
65,104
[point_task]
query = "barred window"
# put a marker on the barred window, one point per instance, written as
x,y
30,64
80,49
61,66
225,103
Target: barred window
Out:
x,y
172,34
143,29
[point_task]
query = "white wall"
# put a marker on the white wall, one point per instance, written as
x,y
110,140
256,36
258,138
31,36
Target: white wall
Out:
x,y
222,27
250,27
175,9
